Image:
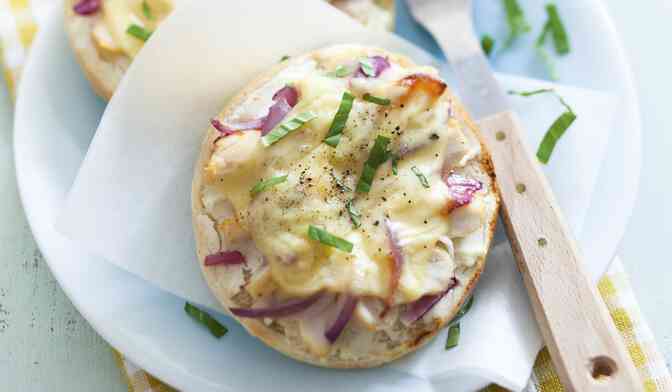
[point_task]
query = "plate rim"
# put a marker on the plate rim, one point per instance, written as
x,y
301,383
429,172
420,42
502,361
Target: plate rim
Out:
x,y
175,376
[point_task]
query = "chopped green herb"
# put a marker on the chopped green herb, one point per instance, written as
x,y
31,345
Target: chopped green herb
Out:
x,y
560,39
377,157
263,185
554,133
341,71
421,177
543,53
377,100
453,336
285,129
284,58
463,310
341,117
340,184
138,32
516,20
216,328
557,129
532,92
329,239
146,10
488,44
355,216
395,163
368,67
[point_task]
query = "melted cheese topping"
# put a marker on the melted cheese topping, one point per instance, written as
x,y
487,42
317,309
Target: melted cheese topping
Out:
x,y
109,34
422,132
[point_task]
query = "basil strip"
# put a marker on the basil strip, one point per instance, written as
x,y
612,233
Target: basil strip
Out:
x,y
554,133
453,336
146,10
355,216
516,20
487,44
377,157
421,177
329,239
560,39
341,117
216,328
263,185
285,129
341,71
377,100
557,129
138,32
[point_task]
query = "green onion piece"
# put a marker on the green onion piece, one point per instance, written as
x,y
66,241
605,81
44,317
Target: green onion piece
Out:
x,y
146,10
531,92
453,336
341,117
285,129
340,184
421,177
284,58
516,20
355,216
138,32
554,133
368,67
377,100
543,53
377,157
557,129
487,43
341,71
263,185
329,239
560,39
395,163
216,328
463,310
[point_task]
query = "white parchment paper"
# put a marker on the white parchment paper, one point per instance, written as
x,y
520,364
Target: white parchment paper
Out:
x,y
130,200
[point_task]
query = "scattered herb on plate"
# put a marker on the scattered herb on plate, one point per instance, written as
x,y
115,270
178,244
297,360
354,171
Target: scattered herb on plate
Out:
x,y
216,328
556,130
487,44
516,21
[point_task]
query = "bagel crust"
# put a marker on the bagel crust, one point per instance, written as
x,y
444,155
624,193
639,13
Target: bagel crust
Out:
x,y
105,72
360,345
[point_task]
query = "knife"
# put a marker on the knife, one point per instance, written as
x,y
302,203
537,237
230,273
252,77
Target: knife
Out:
x,y
586,349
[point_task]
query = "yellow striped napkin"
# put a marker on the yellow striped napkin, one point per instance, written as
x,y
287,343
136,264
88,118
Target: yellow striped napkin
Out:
x,y
18,24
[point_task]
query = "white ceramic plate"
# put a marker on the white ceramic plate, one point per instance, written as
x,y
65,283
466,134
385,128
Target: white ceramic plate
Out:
x,y
55,117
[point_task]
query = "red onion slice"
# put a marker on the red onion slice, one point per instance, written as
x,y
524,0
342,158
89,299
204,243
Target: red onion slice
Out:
x,y
87,7
461,190
277,311
344,316
283,102
227,258
418,309
275,115
397,259
289,94
380,64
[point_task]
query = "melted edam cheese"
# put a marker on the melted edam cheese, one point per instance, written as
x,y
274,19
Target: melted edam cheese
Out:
x,y
322,181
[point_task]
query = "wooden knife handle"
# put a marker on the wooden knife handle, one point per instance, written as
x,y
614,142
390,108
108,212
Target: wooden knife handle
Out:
x,y
588,353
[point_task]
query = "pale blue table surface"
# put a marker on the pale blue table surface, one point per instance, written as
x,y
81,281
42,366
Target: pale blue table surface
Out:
x,y
46,346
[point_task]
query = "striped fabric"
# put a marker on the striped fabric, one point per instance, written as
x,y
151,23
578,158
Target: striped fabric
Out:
x,y
18,24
